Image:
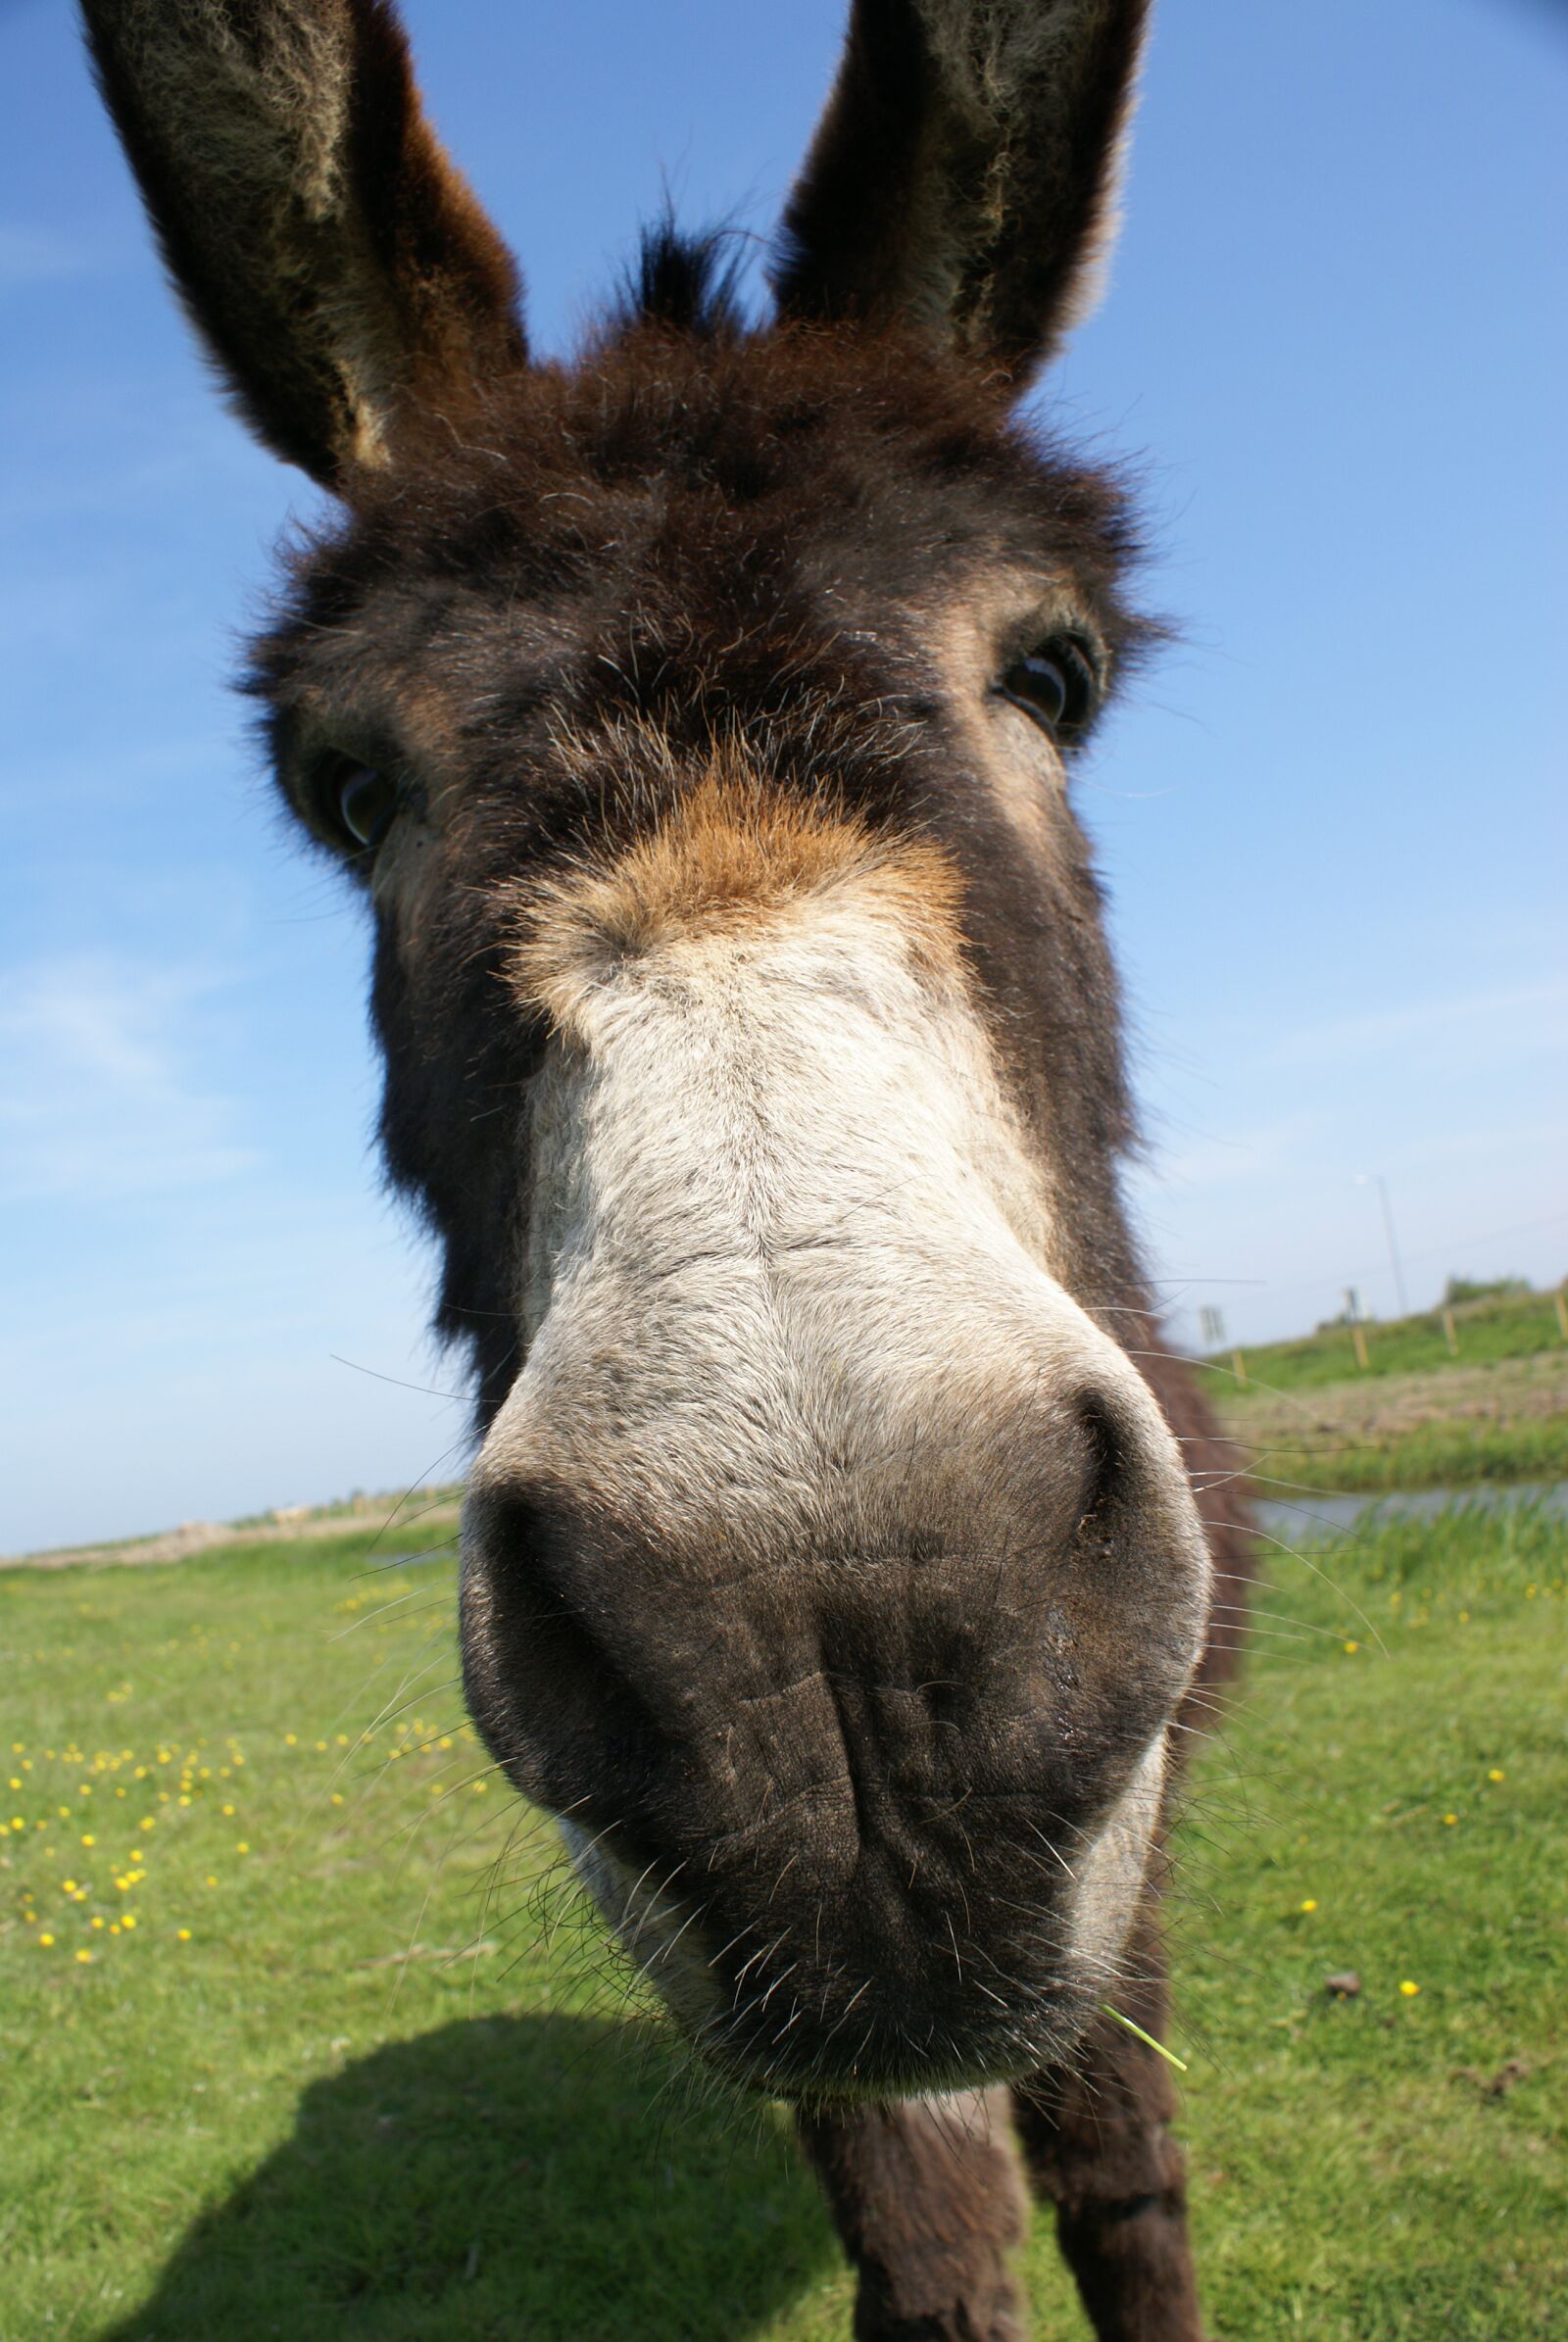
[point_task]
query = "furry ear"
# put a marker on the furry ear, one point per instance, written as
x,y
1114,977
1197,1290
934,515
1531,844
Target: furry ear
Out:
x,y
340,269
964,178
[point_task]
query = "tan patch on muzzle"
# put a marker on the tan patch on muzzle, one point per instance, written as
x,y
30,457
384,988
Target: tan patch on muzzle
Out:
x,y
731,857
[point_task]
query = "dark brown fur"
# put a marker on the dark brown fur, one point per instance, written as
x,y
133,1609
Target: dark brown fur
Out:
x,y
977,197
387,239
558,603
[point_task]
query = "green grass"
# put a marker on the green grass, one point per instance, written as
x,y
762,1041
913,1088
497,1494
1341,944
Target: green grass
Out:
x,y
1429,1455
1418,1417
1353,2176
1518,1326
279,2123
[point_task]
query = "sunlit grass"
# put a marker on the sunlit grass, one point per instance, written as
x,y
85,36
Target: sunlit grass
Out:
x,y
1507,1326
1410,1413
304,2033
1431,1456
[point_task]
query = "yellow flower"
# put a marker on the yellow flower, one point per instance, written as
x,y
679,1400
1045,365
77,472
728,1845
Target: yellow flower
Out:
x,y
241,1846
291,1739
183,1934
1449,1820
46,1938
128,1918
1496,1773
229,1809
84,1957
1310,1904
97,1922
149,1822
87,1838
1352,1648
1408,1989
68,1887
211,1881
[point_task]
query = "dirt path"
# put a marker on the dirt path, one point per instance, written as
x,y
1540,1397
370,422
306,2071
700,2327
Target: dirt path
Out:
x,y
432,1511
1508,1391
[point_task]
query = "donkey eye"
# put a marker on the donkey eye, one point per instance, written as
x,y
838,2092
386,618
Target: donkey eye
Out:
x,y
365,801
1056,685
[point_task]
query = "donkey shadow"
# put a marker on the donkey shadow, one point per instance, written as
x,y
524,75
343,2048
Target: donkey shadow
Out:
x,y
529,2178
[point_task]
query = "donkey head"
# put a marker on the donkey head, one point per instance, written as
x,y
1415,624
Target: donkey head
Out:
x,y
697,721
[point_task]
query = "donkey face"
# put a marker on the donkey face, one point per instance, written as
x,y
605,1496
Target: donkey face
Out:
x,y
697,723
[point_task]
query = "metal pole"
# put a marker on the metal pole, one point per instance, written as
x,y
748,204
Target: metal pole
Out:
x,y
1394,1249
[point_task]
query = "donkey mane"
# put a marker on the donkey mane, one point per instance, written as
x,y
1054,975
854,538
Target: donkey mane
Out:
x,y
688,281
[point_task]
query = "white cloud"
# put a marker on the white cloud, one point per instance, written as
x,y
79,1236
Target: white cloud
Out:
x,y
99,1094
1475,1027
35,255
1267,1150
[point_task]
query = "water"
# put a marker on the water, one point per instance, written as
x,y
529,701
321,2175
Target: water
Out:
x,y
1312,1516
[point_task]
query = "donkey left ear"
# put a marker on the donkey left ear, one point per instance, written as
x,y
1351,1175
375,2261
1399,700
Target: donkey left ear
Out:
x,y
964,178
338,268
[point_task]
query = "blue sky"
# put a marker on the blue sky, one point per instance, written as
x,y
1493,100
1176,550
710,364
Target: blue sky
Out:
x,y
1332,821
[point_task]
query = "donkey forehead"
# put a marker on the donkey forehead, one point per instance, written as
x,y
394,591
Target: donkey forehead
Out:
x,y
675,492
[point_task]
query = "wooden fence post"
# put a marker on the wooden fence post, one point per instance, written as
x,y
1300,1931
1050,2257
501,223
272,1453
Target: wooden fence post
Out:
x,y
1450,1334
1240,1364
1562,1313
1360,1347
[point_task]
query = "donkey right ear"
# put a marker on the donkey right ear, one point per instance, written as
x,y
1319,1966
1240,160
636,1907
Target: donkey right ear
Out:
x,y
340,272
963,181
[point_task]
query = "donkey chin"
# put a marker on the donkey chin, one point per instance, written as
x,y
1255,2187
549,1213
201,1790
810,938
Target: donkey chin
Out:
x,y
827,1570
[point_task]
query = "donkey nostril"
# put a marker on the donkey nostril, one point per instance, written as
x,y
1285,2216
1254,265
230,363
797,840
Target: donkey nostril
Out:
x,y
1104,1456
542,1684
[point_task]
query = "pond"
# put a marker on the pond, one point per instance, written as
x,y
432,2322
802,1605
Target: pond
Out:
x,y
1314,1516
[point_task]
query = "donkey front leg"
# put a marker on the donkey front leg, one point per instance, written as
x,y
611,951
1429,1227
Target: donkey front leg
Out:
x,y
1097,2140
928,2199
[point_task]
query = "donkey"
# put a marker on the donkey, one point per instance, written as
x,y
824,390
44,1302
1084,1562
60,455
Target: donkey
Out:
x,y
843,1547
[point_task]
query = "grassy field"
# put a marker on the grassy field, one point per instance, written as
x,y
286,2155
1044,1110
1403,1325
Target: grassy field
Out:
x,y
304,2035
1508,1326
1419,1415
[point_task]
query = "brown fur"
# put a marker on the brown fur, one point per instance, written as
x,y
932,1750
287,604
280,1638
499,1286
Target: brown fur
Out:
x,y
929,2200
340,270
965,172
728,856
665,653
